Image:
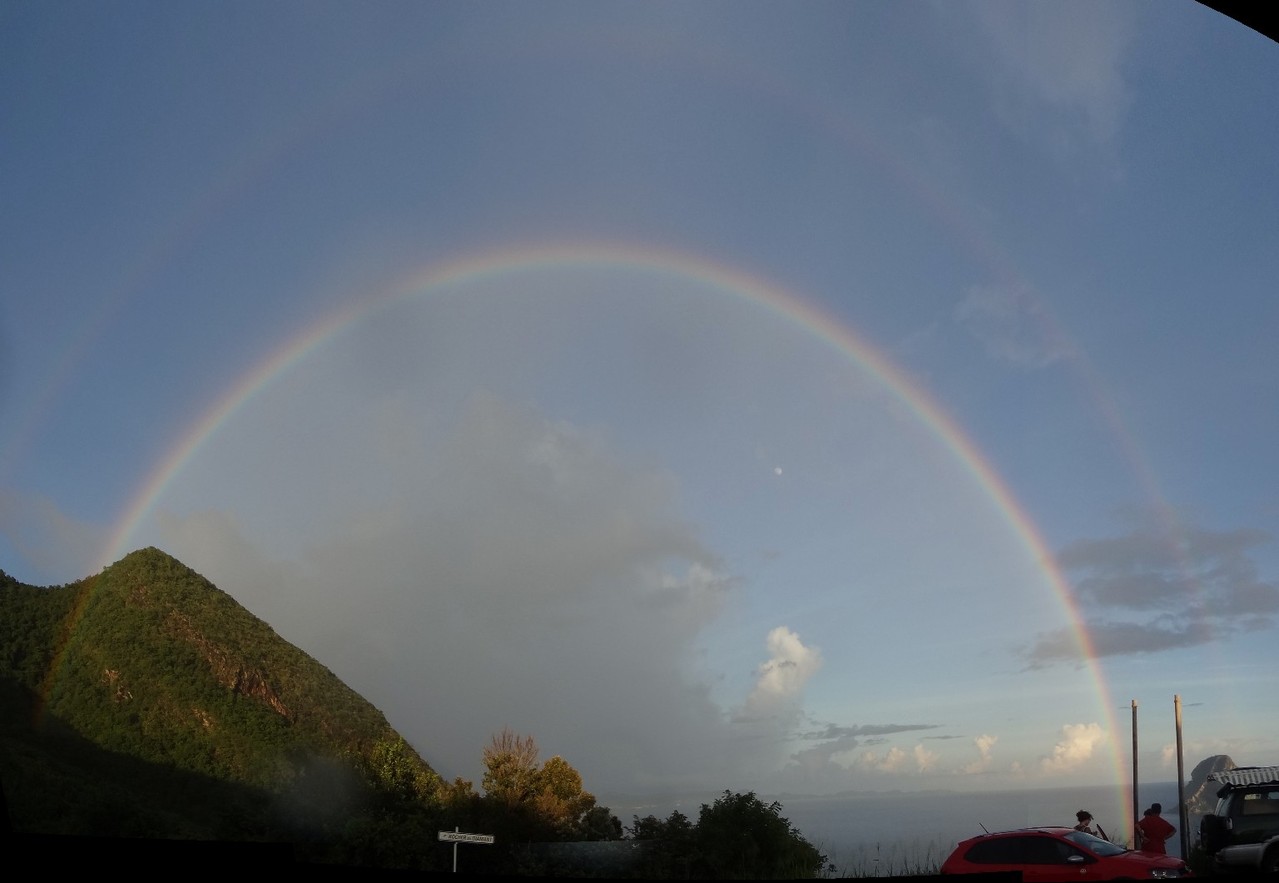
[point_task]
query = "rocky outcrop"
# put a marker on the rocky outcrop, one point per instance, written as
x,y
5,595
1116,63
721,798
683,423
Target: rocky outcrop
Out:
x,y
1201,795
231,673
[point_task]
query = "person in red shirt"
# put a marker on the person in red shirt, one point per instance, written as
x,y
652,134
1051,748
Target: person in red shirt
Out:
x,y
1153,831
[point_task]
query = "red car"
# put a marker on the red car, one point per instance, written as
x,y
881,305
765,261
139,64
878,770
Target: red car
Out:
x,y
1058,854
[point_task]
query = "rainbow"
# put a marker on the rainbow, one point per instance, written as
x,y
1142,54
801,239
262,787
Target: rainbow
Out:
x,y
760,291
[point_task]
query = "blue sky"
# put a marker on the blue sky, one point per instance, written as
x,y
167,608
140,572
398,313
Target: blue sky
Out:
x,y
688,482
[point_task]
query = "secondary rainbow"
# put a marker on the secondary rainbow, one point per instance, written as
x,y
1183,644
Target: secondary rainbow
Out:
x,y
769,296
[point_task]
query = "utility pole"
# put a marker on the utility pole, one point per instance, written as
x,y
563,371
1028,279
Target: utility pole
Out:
x,y
1135,817
1182,814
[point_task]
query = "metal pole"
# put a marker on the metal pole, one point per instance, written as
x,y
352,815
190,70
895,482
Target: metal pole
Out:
x,y
455,830
1135,817
1182,815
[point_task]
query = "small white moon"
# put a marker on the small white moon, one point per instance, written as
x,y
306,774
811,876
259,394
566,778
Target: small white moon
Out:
x,y
777,470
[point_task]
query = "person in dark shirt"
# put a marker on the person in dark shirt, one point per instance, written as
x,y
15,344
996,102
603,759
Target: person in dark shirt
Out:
x,y
1084,818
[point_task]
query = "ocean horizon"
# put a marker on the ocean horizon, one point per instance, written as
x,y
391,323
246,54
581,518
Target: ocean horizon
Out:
x,y
890,833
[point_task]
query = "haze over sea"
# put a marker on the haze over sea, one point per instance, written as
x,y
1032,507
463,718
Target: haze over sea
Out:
x,y
915,831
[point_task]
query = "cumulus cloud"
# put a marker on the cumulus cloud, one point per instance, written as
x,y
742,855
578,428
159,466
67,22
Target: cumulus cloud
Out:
x,y
840,756
925,759
1076,747
889,761
780,680
897,760
985,743
1012,325
835,745
1155,589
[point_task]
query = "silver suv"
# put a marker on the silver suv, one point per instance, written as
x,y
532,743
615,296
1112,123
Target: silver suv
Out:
x,y
1243,831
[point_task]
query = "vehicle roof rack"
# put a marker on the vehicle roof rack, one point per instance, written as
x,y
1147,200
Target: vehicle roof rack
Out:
x,y
1246,775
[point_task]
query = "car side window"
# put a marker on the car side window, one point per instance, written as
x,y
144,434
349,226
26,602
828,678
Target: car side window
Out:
x,y
1045,851
1002,851
1029,850
1255,815
1261,803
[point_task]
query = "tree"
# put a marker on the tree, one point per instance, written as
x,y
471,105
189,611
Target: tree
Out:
x,y
510,768
544,803
397,768
671,848
740,836
458,793
562,803
599,823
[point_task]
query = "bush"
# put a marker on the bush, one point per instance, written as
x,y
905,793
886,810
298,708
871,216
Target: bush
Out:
x,y
737,837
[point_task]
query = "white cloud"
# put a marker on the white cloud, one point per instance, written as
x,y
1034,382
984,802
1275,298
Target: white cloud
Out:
x,y
925,759
831,763
780,681
890,761
1076,747
897,760
985,743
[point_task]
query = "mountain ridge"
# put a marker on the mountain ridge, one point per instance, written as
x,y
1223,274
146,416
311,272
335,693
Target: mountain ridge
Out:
x,y
202,632
148,660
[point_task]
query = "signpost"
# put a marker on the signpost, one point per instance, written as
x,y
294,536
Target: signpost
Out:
x,y
457,837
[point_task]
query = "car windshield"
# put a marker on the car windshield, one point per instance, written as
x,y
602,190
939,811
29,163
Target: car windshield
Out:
x,y
1095,845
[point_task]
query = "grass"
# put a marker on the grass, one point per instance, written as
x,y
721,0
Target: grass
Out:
x,y
901,858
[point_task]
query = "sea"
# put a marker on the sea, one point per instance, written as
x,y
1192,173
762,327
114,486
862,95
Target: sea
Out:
x,y
884,834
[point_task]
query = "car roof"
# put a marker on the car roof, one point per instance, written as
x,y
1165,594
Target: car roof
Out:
x,y
1058,830
1246,775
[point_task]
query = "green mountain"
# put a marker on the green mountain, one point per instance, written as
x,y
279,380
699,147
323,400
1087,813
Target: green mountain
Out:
x,y
144,701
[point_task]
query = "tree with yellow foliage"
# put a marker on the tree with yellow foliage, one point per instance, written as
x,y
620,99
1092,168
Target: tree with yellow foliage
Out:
x,y
551,796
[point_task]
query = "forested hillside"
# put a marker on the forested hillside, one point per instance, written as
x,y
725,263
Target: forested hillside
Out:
x,y
150,659
144,702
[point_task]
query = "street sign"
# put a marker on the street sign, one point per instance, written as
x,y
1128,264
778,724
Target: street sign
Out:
x,y
459,837
455,836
